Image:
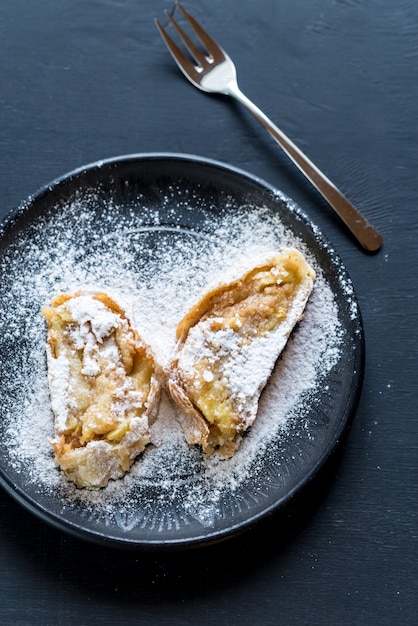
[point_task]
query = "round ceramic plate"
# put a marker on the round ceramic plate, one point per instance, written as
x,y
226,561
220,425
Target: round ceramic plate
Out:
x,y
154,230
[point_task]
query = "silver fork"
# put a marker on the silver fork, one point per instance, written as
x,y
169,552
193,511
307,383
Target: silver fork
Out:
x,y
215,72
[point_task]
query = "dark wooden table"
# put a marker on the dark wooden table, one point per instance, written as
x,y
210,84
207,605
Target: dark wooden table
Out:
x,y
86,80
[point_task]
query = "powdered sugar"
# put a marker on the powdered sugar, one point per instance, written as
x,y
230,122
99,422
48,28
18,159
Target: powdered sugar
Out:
x,y
150,257
59,376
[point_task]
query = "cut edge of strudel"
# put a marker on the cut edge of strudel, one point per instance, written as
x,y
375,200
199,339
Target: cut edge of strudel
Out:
x,y
104,387
228,344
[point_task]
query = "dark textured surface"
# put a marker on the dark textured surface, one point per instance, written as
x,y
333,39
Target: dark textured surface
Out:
x,y
82,81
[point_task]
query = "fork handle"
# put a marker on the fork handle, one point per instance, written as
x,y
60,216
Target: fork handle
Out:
x,y
359,226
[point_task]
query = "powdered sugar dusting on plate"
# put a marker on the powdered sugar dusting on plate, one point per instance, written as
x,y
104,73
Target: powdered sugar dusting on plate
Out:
x,y
151,259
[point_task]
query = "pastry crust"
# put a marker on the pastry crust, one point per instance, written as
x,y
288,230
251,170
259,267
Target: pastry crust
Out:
x,y
228,344
104,386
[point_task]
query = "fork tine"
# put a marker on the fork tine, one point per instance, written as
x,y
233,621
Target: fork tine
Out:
x,y
194,50
178,55
211,46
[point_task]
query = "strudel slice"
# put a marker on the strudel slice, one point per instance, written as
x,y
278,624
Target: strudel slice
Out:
x,y
104,387
228,344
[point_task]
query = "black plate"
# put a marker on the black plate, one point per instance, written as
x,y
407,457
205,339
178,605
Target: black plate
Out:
x,y
155,228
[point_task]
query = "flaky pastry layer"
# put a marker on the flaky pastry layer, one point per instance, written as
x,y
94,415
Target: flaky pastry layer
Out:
x,y
228,344
104,387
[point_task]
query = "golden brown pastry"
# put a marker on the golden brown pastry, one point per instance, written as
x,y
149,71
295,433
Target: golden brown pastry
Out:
x,y
228,344
104,387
